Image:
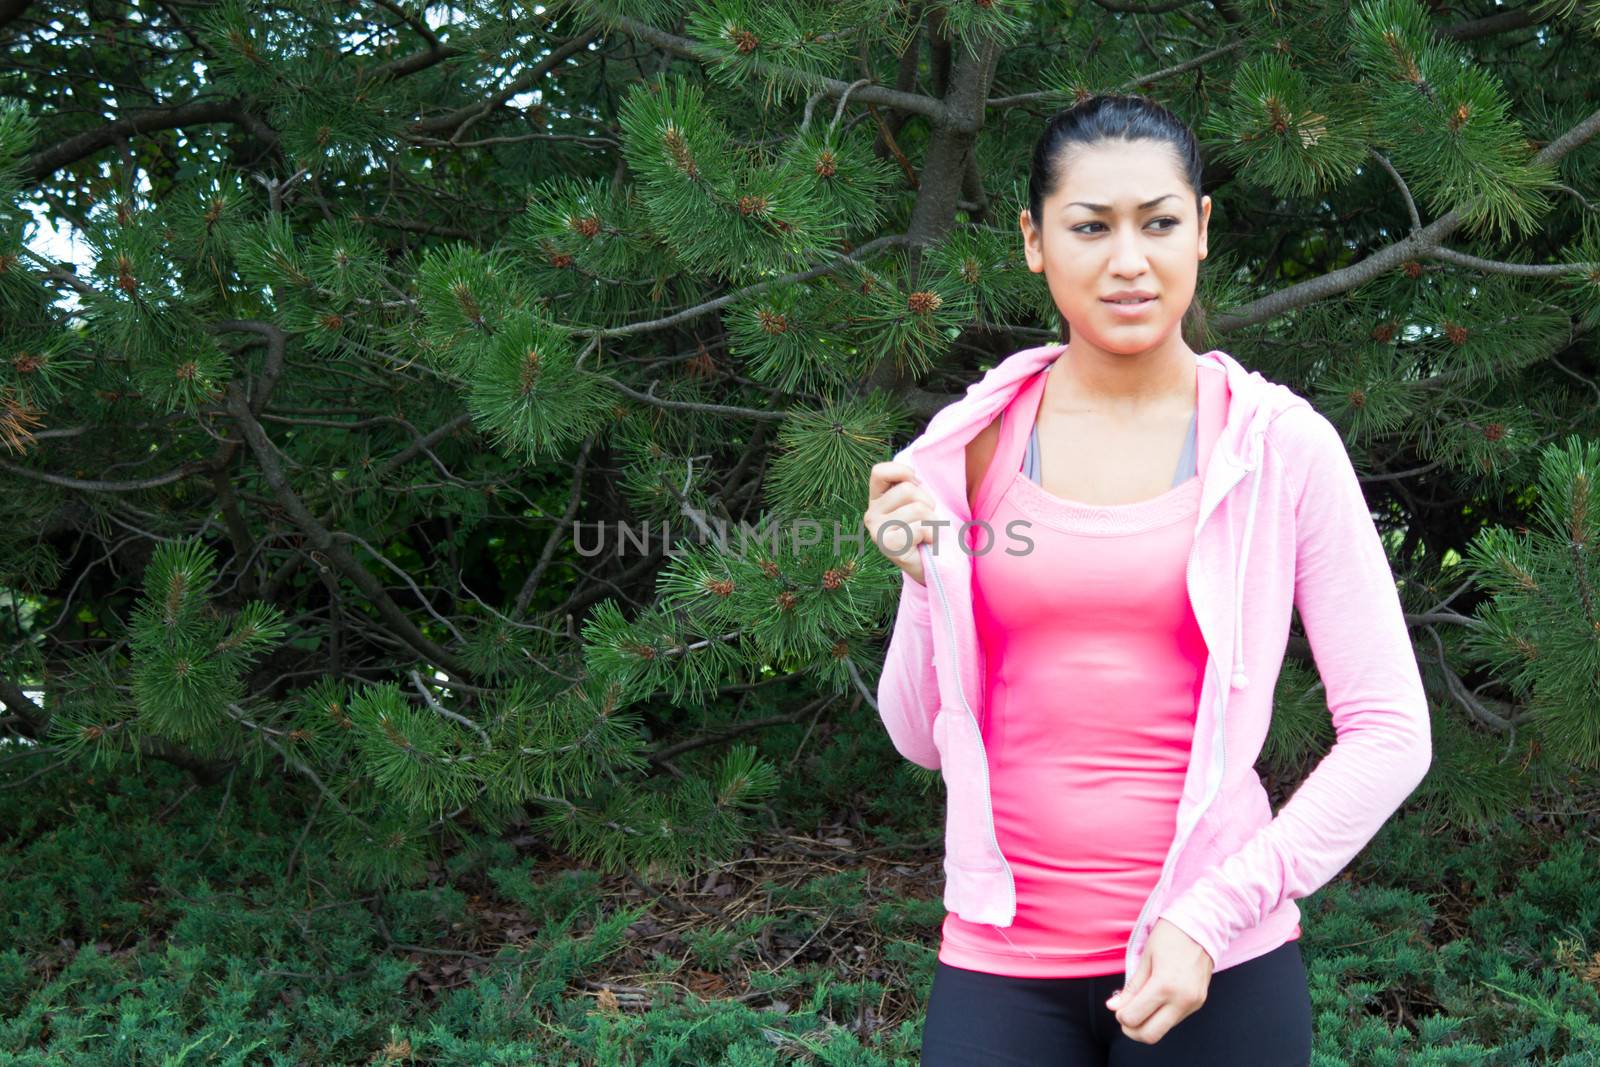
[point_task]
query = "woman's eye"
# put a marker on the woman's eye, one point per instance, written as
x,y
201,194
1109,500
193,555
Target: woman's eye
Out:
x,y
1165,218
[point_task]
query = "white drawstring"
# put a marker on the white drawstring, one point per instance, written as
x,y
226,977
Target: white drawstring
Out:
x,y
1009,942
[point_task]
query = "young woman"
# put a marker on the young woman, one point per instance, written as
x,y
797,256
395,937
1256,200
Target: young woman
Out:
x,y
1101,544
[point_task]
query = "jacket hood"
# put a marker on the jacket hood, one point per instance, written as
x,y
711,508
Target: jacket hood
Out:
x,y
938,454
1250,396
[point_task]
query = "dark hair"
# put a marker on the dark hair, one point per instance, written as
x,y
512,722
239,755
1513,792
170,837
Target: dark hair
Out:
x,y
1113,117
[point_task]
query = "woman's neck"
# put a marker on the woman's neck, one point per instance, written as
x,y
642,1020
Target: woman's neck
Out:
x,y
1121,387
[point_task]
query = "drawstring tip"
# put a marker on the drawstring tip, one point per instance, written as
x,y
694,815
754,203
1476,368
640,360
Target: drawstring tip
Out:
x,y
1240,681
1002,932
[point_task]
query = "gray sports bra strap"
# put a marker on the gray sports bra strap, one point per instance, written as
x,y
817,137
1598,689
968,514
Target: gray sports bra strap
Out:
x,y
1186,459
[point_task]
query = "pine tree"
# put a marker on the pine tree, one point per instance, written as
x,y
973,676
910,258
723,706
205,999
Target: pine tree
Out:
x,y
385,315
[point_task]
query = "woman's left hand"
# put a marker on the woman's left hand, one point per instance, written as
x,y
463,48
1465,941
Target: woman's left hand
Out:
x,y
1167,987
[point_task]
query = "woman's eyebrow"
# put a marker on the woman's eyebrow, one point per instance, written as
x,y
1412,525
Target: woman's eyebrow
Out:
x,y
1107,207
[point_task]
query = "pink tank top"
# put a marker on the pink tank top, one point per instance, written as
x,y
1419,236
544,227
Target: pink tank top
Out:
x,y
1093,662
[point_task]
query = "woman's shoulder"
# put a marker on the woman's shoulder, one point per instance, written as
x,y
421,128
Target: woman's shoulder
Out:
x,y
1297,426
1309,446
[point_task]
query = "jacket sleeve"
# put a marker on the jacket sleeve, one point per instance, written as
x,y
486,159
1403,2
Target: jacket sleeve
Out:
x,y
908,689
1345,593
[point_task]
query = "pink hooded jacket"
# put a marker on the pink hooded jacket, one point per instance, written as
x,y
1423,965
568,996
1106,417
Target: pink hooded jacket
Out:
x,y
1282,524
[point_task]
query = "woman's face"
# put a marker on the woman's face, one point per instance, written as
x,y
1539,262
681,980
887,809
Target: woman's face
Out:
x,y
1122,217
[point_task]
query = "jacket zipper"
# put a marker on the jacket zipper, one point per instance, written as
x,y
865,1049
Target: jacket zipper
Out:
x,y
950,626
1221,731
1161,882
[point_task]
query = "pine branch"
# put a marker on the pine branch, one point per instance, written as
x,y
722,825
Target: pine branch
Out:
x,y
35,722
203,112
1587,205
666,752
917,103
418,25
432,702
99,486
1524,270
1521,270
460,120
15,700
1131,84
272,367
1444,618
691,405
1405,190
1394,476
323,539
1417,245
404,577
878,245
862,688
1475,708
266,734
531,582
193,113
1126,7
422,445
1488,25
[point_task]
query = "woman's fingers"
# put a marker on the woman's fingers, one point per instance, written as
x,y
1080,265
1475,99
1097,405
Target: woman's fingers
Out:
x,y
896,514
886,474
1155,1028
904,495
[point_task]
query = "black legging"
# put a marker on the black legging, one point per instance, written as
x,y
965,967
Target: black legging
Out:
x,y
1256,1014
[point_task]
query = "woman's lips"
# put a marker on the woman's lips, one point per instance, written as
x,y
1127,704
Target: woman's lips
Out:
x,y
1130,311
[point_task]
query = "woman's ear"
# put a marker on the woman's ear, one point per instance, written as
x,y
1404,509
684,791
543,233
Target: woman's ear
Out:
x,y
1031,246
1205,220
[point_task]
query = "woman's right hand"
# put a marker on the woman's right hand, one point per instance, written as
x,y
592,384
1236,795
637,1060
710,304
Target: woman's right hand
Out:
x,y
895,495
